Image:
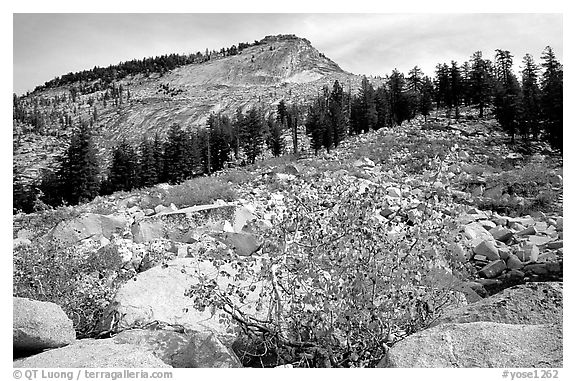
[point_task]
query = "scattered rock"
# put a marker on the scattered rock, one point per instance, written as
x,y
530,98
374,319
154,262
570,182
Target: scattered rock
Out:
x,y
501,234
147,230
89,225
487,249
394,192
40,325
513,262
528,252
492,269
243,244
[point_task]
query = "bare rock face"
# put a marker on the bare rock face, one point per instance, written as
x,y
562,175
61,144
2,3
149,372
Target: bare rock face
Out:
x,y
40,325
182,350
479,344
90,353
530,303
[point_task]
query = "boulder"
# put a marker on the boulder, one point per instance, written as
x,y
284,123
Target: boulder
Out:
x,y
492,269
40,325
529,303
394,192
528,252
162,294
91,353
501,234
479,345
539,240
476,233
241,217
89,225
147,230
182,350
487,249
243,244
513,262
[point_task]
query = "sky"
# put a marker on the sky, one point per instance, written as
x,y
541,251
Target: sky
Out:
x,y
46,45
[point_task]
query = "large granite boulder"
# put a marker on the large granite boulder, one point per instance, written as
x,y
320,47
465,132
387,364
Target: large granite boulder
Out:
x,y
40,325
91,353
479,344
530,303
182,350
162,294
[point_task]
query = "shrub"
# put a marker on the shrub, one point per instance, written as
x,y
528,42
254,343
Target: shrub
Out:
x,y
83,285
198,191
343,282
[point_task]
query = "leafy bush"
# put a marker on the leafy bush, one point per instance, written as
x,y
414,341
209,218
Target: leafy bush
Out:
x,y
83,285
345,283
199,191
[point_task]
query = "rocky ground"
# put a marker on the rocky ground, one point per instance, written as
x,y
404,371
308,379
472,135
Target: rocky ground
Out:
x,y
456,198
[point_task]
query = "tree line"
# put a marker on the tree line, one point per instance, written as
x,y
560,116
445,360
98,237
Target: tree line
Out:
x,y
530,107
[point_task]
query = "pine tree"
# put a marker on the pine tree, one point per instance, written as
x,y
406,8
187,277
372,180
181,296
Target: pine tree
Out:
x,y
399,102
123,169
552,98
337,113
220,141
455,88
466,74
506,95
442,85
383,107
480,82
425,105
282,113
252,135
293,122
413,91
176,158
316,123
275,141
79,171
147,164
158,153
529,112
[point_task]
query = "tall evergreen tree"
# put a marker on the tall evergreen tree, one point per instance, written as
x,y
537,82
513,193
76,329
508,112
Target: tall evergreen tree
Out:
x,y
529,112
275,140
399,102
506,95
480,82
176,155
383,107
442,85
455,88
79,171
123,169
552,98
147,165
252,134
293,121
425,105
337,113
220,141
317,123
